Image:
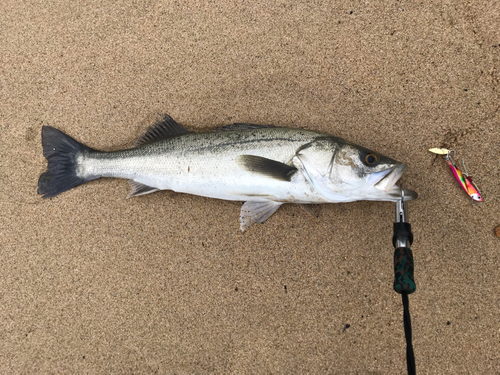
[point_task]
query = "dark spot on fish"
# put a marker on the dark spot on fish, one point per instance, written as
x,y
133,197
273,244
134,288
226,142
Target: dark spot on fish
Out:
x,y
351,12
236,289
345,327
285,289
448,323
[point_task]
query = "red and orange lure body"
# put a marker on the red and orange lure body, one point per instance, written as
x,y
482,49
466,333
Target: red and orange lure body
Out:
x,y
464,180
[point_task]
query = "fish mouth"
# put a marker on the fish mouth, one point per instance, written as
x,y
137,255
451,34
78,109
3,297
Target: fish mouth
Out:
x,y
389,179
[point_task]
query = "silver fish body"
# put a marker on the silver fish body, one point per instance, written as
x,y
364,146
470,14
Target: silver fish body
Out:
x,y
262,166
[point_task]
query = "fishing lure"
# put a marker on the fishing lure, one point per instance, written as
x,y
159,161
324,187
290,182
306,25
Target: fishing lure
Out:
x,y
463,178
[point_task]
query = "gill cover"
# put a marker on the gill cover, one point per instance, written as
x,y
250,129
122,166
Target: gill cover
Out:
x,y
342,171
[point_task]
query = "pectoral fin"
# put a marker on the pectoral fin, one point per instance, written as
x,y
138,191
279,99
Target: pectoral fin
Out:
x,y
266,167
256,212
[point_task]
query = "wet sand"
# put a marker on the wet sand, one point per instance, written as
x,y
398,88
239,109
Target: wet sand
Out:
x,y
94,283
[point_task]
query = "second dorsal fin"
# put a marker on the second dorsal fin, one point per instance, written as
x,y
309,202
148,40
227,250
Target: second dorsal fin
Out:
x,y
241,126
165,128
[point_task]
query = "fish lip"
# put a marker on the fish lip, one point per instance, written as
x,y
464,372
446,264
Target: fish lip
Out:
x,y
389,180
410,194
388,184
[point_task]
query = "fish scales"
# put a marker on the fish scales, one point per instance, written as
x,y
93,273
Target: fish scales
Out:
x,y
206,164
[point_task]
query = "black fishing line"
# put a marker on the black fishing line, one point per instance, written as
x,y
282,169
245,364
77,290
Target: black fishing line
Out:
x,y
410,357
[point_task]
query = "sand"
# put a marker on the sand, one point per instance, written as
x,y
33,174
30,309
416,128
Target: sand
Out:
x,y
166,283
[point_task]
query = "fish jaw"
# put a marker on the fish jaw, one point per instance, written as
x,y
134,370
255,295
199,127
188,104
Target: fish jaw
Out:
x,y
387,184
390,179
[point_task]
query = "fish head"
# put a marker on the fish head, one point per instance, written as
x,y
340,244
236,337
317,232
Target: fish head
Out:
x,y
343,172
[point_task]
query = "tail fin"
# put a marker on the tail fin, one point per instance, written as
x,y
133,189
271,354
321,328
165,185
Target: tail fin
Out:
x,y
61,151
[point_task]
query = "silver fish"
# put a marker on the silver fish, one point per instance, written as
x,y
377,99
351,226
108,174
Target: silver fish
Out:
x,y
263,166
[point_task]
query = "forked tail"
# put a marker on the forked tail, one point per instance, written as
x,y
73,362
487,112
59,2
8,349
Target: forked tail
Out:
x,y
61,152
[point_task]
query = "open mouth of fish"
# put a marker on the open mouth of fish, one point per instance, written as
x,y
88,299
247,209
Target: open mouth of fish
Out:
x,y
388,179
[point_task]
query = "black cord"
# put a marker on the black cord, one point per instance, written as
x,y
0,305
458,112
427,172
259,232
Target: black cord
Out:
x,y
410,357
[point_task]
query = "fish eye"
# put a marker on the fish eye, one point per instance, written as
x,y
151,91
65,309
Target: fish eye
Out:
x,y
371,159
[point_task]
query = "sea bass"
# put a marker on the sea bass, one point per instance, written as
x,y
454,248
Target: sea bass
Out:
x,y
261,165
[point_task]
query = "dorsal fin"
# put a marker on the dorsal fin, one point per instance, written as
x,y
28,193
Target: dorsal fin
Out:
x,y
241,126
165,128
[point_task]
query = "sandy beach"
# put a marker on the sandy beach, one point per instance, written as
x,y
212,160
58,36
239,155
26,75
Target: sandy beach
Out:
x,y
91,282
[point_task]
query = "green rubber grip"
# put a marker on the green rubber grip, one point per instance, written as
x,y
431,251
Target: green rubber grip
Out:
x,y
403,271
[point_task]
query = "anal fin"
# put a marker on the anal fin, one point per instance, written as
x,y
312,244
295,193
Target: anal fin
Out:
x,y
256,212
136,189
